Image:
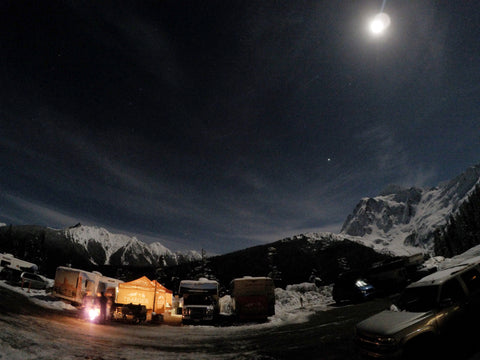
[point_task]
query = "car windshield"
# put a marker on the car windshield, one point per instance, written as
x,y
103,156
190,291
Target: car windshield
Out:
x,y
198,300
418,299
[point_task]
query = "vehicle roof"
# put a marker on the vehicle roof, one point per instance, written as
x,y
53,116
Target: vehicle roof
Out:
x,y
198,282
441,276
66,268
247,278
200,286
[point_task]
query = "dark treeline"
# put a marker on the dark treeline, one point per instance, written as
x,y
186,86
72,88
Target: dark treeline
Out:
x,y
289,261
462,230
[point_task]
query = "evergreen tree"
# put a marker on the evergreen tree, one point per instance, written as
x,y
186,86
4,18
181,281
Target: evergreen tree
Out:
x,y
462,231
202,268
274,272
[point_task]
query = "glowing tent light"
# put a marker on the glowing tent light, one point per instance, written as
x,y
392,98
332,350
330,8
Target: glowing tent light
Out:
x,y
379,23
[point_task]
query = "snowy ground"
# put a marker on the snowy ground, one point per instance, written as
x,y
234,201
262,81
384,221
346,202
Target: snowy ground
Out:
x,y
66,337
38,297
55,336
292,305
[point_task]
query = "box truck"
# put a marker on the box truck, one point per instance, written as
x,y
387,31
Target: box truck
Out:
x,y
253,298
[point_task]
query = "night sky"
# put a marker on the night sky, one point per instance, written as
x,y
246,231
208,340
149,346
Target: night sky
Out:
x,y
227,124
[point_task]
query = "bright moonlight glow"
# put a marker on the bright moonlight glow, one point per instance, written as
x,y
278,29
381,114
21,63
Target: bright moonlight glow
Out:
x,y
379,23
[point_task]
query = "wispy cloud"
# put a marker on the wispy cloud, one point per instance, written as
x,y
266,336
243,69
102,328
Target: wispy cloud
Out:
x,y
392,159
38,213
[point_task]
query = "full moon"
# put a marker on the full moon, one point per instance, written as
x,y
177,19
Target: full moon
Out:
x,y
379,23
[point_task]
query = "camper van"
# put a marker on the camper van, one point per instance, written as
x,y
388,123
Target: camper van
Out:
x,y
12,268
200,300
253,298
73,285
8,261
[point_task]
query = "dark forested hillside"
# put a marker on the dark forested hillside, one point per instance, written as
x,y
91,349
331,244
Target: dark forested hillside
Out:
x,y
462,230
289,261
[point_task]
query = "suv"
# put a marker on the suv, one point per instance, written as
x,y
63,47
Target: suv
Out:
x,y
441,306
351,287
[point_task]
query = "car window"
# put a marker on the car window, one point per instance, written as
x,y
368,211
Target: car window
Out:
x,y
471,278
32,277
102,287
418,299
452,290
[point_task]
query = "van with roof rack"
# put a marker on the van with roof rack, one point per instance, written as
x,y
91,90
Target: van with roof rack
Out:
x,y
436,310
200,300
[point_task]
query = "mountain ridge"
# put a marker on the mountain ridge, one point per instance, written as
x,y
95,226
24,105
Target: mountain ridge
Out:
x,y
402,220
85,247
399,221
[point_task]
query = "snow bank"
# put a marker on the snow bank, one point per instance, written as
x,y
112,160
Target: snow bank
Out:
x,y
294,304
441,263
303,295
433,262
297,302
470,253
39,297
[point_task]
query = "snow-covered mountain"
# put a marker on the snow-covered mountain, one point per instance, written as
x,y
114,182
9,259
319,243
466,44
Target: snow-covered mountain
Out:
x,y
106,248
402,220
399,221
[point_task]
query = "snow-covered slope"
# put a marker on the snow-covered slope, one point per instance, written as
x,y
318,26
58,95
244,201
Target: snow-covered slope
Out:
x,y
402,221
108,248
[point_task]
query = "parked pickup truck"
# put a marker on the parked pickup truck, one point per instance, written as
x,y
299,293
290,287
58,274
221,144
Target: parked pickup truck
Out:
x,y
433,315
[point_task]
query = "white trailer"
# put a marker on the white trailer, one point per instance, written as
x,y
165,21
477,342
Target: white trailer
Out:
x,y
10,262
73,285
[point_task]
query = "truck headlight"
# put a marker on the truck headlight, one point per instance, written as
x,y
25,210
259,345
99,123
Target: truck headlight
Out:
x,y
209,310
387,340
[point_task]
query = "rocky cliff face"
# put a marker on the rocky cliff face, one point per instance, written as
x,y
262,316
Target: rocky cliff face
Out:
x,y
402,220
391,208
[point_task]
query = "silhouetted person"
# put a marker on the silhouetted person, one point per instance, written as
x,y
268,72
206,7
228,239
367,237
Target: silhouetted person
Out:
x,y
103,307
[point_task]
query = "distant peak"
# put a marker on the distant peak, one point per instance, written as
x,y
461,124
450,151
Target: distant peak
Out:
x,y
392,189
